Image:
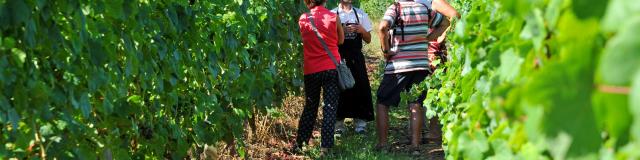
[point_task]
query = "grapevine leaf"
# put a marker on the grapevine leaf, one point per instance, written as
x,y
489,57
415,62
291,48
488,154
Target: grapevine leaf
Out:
x,y
85,107
46,129
501,146
612,114
135,99
14,118
114,8
20,11
98,54
510,64
19,56
4,107
634,106
30,33
3,64
563,87
589,8
559,146
617,9
478,144
620,59
553,12
8,42
535,29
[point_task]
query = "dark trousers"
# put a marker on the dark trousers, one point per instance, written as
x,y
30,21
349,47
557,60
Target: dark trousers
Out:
x,y
313,84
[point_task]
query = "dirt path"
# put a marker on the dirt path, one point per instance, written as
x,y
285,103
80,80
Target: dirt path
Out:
x,y
275,131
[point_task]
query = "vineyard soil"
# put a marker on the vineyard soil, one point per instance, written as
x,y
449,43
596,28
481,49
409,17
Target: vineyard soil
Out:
x,y
276,131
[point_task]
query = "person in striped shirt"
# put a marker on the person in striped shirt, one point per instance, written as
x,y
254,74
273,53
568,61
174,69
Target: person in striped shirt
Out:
x,y
405,32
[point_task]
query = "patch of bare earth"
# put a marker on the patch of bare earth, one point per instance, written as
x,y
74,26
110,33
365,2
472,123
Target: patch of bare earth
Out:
x,y
273,136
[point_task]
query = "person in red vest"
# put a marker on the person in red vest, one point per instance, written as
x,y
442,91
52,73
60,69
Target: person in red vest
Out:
x,y
319,72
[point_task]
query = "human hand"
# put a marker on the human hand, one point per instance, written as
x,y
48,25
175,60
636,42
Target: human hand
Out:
x,y
356,28
388,56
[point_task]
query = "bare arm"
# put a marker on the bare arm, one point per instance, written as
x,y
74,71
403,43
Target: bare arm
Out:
x,y
444,35
340,31
439,30
366,36
445,9
383,32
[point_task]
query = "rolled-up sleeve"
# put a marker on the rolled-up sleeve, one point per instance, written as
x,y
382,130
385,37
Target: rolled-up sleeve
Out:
x,y
366,22
390,15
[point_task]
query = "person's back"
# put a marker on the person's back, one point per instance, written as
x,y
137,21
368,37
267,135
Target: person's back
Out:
x,y
319,28
315,57
405,33
409,43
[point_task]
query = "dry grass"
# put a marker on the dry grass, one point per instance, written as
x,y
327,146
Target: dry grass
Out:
x,y
273,135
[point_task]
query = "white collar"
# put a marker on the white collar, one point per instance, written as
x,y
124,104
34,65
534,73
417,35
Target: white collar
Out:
x,y
340,8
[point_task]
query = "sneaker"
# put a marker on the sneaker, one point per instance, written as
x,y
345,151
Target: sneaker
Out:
x,y
361,126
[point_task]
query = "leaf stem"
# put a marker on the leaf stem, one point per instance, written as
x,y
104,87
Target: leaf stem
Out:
x,y
614,89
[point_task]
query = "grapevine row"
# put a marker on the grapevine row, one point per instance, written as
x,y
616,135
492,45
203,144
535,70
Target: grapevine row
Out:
x,y
540,79
140,79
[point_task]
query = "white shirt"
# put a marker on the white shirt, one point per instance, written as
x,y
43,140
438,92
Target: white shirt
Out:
x,y
350,17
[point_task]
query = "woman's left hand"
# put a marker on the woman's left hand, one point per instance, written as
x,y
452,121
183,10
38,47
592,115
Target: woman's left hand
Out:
x,y
357,28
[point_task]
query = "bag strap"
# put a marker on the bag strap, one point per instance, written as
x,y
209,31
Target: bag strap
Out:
x,y
429,11
324,44
356,12
398,20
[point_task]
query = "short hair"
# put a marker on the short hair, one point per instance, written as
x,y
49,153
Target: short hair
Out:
x,y
316,2
319,2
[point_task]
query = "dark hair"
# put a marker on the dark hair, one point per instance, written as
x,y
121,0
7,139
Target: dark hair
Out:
x,y
319,2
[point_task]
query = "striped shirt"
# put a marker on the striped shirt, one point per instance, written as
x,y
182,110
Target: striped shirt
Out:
x,y
410,53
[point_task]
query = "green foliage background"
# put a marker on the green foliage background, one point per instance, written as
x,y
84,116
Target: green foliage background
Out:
x,y
375,8
146,79
533,80
140,79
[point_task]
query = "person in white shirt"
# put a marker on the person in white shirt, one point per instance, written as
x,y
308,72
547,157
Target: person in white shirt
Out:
x,y
357,102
